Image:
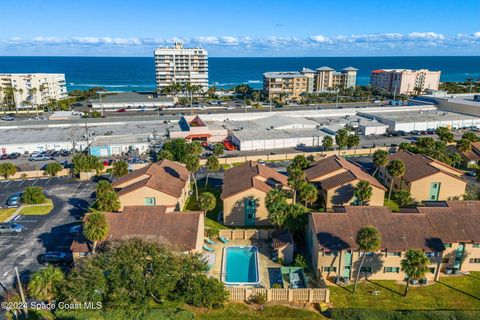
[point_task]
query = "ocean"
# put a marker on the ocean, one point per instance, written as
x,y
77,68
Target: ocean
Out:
x,y
137,73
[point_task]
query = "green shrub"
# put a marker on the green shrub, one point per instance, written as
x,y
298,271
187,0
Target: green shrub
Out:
x,y
300,261
258,298
33,195
53,168
369,314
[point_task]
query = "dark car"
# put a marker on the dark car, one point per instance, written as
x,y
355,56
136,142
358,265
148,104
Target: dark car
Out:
x,y
64,153
55,154
10,228
55,257
121,110
14,155
4,157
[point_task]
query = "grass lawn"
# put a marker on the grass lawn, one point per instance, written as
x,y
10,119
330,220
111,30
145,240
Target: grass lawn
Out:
x,y
455,292
244,312
211,219
5,213
42,209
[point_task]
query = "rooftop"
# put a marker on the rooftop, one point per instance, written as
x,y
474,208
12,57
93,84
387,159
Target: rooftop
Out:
x,y
284,74
418,116
125,97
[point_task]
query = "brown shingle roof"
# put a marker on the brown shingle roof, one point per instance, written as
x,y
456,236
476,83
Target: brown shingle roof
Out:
x,y
473,154
250,175
179,230
424,228
165,176
399,231
334,163
281,238
418,166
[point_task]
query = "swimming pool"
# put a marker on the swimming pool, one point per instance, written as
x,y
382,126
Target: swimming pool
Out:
x,y
240,265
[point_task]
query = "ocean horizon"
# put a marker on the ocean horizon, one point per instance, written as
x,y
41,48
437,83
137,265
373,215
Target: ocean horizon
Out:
x,y
138,73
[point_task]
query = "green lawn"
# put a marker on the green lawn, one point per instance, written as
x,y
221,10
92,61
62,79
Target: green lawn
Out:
x,y
211,219
43,209
241,311
5,213
455,292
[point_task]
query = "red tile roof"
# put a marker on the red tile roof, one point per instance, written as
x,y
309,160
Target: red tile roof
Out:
x,y
248,175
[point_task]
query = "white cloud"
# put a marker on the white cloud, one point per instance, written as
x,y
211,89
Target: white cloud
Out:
x,y
426,35
319,38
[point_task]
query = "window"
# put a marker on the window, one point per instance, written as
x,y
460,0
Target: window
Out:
x,y
329,269
149,201
474,260
330,253
366,269
391,269
447,245
393,254
476,245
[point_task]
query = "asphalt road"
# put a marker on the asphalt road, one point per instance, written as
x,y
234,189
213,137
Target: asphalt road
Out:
x,y
42,233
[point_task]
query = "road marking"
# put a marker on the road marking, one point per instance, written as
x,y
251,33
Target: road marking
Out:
x,y
28,221
34,182
49,179
23,181
3,181
8,183
16,218
31,179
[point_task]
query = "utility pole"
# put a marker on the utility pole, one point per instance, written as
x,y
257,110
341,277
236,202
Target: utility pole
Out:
x,y
336,100
21,291
86,135
394,92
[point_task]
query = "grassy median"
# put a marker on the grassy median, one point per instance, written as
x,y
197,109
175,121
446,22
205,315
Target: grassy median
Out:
x,y
5,213
38,209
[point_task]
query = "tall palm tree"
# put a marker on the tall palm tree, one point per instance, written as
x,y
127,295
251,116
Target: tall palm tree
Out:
x,y
415,265
327,143
45,284
308,193
95,228
212,165
380,159
363,192
368,240
396,169
464,145
33,96
296,177
193,165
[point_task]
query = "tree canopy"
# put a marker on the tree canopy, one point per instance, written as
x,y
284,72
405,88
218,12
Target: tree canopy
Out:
x,y
120,168
86,163
7,169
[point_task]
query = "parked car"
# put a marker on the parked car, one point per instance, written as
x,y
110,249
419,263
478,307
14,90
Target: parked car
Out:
x,y
10,228
55,154
39,157
471,173
121,110
204,144
64,153
14,200
14,155
7,118
4,156
55,257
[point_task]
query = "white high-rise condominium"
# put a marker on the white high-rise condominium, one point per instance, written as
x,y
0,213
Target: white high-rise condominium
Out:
x,y
30,89
181,65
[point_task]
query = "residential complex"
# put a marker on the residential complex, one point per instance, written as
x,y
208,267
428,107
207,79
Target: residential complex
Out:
x,y
404,81
32,88
336,179
181,65
164,183
425,178
447,233
292,84
244,190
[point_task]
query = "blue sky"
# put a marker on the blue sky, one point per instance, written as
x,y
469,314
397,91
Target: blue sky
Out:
x,y
246,28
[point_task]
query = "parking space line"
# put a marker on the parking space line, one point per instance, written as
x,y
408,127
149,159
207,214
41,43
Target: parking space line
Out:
x,y
34,182
23,181
49,179
7,184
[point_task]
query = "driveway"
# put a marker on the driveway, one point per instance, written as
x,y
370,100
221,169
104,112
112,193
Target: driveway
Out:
x,y
42,233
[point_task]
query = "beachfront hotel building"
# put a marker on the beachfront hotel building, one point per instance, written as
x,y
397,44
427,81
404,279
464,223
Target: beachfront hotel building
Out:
x,y
403,81
177,64
32,88
291,84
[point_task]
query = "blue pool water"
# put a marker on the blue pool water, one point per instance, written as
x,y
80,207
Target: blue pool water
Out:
x,y
240,265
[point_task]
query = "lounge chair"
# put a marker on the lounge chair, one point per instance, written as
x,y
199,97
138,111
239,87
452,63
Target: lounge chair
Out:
x,y
209,241
207,248
223,239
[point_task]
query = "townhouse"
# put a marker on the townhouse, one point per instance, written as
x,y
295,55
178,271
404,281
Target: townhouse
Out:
x,y
164,183
447,232
336,179
425,178
244,190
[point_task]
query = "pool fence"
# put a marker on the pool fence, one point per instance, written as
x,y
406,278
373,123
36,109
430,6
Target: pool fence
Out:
x,y
312,295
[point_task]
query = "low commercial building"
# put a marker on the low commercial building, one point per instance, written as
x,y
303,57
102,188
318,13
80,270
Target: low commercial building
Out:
x,y
425,178
164,183
448,234
32,88
336,179
275,132
108,146
130,100
243,193
194,128
461,103
421,120
404,81
182,231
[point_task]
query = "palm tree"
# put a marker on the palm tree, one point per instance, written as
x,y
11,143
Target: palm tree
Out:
x,y
296,177
308,193
327,143
341,139
363,192
120,168
103,186
368,240
275,201
33,96
415,265
95,228
380,159
353,140
193,165
212,165
396,169
464,145
45,284
207,201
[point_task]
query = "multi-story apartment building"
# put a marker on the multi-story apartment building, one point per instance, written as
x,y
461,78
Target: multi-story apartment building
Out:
x,y
291,84
32,89
403,81
181,65
447,232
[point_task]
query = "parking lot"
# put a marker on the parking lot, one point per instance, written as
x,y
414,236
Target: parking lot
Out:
x,y
42,233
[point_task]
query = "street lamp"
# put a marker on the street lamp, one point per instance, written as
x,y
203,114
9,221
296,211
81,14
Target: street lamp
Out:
x,y
101,104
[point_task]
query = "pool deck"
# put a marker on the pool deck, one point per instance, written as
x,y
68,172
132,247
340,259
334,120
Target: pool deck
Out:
x,y
266,266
